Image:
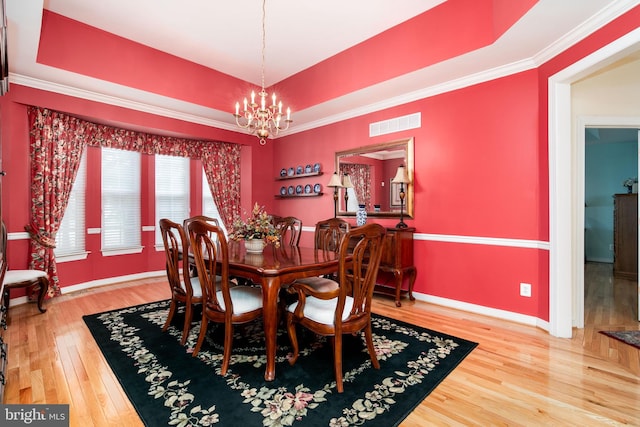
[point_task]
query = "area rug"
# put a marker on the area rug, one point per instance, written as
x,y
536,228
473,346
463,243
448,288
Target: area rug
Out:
x,y
627,337
168,386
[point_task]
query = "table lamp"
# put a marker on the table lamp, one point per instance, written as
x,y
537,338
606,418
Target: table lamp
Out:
x,y
335,183
346,183
402,179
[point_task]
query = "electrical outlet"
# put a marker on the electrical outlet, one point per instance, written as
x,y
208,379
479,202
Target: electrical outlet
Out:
x,y
611,248
525,289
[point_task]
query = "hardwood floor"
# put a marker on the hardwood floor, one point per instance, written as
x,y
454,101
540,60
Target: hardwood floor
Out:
x,y
517,376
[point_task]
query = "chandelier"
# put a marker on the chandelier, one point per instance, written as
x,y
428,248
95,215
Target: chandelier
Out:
x,y
259,118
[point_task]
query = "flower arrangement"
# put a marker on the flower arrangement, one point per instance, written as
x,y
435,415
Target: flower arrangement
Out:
x,y
257,226
629,183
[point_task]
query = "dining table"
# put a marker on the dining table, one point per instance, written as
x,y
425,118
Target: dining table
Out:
x,y
272,269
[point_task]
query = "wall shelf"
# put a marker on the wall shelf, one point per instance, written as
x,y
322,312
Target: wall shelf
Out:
x,y
293,196
300,175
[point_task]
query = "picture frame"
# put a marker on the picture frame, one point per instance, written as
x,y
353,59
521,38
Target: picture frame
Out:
x,y
394,196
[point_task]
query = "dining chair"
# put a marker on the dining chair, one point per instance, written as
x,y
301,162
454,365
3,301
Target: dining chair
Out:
x,y
225,304
347,308
30,279
327,237
185,288
289,228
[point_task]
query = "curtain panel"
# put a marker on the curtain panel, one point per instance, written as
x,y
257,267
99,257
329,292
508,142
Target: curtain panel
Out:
x,y
57,141
361,178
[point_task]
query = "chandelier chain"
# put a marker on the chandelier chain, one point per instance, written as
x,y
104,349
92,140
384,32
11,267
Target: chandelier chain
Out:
x,y
256,116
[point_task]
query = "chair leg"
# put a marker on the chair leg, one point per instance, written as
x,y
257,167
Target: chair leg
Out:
x,y
228,343
43,283
172,310
337,361
372,349
291,330
203,333
187,323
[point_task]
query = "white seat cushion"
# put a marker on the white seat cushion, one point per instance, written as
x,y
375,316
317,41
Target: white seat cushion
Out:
x,y
17,276
245,298
323,310
321,284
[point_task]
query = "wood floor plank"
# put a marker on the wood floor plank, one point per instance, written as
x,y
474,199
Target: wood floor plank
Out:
x,y
517,376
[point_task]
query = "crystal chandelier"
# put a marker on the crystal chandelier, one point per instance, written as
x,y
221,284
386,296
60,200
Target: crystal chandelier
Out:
x,y
261,119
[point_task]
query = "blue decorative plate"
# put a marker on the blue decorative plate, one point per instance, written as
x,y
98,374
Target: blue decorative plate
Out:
x,y
316,167
283,172
291,191
299,189
299,170
307,189
283,191
291,172
308,169
317,188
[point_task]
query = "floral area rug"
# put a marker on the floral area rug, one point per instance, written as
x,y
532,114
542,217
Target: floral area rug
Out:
x,y
627,337
168,386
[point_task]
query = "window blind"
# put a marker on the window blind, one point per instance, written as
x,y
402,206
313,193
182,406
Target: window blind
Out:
x,y
120,199
70,239
172,190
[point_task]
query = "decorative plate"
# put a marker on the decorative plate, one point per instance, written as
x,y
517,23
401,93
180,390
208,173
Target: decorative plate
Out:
x,y
299,170
298,189
307,189
283,191
317,188
308,169
283,172
316,167
291,172
291,191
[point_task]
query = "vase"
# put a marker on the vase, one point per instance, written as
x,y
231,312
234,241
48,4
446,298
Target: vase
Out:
x,y
254,246
361,216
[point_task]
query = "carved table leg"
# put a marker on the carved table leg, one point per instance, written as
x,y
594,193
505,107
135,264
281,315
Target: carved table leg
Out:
x,y
270,290
398,274
412,280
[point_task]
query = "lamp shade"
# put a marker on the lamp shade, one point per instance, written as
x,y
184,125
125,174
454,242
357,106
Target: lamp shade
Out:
x,y
334,181
401,176
346,181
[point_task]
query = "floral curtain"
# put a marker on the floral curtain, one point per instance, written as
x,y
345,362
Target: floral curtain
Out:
x,y
361,179
57,141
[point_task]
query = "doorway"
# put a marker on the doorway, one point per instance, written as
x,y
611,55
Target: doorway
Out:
x,y
566,183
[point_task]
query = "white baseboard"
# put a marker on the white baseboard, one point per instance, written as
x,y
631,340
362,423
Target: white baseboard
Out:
x,y
445,302
97,283
486,311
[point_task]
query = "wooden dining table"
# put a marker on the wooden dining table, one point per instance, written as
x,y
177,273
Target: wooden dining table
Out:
x,y
272,269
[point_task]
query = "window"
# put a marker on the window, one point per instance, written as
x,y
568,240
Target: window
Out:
x,y
70,239
209,207
120,200
172,190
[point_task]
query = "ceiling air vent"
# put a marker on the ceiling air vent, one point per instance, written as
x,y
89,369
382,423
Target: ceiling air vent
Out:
x,y
412,121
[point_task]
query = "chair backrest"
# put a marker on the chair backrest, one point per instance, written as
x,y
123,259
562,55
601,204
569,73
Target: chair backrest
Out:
x,y
211,256
329,233
360,254
204,218
176,247
289,228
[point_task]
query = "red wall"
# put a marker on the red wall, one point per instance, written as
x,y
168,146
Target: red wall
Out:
x,y
480,170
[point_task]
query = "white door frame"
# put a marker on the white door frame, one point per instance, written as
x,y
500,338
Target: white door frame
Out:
x,y
566,187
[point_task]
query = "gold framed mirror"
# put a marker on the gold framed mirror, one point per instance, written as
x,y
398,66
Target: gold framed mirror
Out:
x,y
366,174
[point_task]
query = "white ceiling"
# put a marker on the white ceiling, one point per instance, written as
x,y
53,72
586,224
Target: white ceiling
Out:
x,y
226,36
